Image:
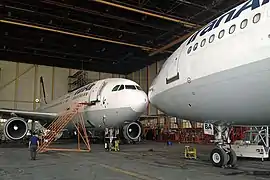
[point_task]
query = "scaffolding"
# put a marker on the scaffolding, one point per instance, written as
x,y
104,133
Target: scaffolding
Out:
x,y
73,115
238,133
255,143
77,80
164,128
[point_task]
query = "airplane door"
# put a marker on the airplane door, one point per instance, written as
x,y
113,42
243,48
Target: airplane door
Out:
x,y
95,94
172,70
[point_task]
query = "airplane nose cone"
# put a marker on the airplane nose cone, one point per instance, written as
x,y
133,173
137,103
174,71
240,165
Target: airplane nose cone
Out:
x,y
140,103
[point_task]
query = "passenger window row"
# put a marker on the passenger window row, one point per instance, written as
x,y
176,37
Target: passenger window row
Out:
x,y
121,87
256,19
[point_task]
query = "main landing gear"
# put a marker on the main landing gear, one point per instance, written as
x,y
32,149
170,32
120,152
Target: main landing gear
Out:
x,y
223,155
112,140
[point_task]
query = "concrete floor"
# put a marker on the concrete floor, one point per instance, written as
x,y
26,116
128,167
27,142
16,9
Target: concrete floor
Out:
x,y
133,162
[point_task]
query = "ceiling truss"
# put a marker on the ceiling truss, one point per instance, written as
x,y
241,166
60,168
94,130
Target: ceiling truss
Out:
x,y
115,36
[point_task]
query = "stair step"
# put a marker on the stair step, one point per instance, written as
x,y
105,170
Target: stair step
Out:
x,y
58,125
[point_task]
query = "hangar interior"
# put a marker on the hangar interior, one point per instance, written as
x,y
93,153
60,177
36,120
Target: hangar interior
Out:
x,y
70,43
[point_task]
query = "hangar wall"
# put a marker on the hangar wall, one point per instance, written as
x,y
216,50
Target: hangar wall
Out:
x,y
20,85
144,78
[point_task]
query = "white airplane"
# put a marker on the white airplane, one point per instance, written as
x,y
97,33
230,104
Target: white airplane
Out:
x,y
220,75
112,102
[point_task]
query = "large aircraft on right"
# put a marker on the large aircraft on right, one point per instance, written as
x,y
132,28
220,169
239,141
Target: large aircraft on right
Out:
x,y
221,75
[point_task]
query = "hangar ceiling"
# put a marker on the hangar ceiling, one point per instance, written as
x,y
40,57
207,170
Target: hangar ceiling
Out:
x,y
114,36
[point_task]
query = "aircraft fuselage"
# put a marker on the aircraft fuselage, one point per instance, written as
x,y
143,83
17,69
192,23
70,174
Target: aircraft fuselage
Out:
x,y
222,72
106,107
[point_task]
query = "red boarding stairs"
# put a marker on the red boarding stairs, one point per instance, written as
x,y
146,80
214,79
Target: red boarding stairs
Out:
x,y
61,122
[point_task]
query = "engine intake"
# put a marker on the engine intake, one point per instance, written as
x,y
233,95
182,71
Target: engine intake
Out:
x,y
15,128
132,131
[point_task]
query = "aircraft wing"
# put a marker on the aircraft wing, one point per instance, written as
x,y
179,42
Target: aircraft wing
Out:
x,y
150,116
39,116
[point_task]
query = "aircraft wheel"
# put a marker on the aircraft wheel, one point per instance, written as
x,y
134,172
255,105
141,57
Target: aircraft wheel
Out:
x,y
219,157
232,158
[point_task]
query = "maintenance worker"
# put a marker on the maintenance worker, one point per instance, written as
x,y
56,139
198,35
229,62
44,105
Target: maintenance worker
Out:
x,y
33,146
116,143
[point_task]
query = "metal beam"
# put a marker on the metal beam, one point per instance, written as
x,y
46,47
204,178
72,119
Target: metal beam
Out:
x,y
77,35
182,38
185,23
17,101
110,16
85,22
16,84
35,88
53,78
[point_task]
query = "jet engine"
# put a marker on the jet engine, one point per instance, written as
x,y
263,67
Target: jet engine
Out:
x,y
15,128
132,131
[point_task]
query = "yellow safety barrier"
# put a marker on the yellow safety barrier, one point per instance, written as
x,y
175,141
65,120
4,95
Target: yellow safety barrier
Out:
x,y
190,152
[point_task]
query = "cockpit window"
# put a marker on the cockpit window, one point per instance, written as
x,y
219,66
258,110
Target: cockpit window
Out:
x,y
139,88
130,87
121,87
115,88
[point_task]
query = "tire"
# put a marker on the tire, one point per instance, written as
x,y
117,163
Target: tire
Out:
x,y
232,158
219,157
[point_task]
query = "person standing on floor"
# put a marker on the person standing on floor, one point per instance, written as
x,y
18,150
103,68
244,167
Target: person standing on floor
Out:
x,y
33,146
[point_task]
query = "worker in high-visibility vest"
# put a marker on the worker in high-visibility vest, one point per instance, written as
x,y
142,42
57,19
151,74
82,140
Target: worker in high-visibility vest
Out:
x,y
116,142
116,145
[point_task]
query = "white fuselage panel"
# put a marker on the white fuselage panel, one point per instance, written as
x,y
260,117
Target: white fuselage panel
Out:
x,y
224,75
110,107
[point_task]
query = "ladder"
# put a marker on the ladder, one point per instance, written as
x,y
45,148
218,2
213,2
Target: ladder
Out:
x,y
60,123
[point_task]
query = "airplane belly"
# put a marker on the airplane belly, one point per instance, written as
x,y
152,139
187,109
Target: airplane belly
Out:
x,y
240,95
113,116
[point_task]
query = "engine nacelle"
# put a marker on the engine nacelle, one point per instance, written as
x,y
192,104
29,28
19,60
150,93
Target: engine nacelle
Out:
x,y
132,131
15,128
